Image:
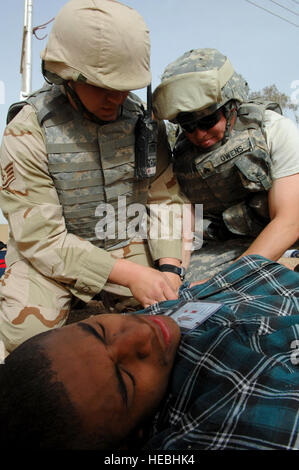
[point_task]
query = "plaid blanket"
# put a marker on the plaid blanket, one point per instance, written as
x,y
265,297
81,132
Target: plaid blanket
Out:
x,y
235,383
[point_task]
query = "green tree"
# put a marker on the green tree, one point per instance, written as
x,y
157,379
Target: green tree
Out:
x,y
271,93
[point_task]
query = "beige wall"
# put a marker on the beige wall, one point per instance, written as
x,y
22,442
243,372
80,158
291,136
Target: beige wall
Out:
x,y
3,233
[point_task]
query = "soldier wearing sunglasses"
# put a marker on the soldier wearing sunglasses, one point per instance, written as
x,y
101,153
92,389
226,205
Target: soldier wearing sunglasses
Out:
x,y
239,158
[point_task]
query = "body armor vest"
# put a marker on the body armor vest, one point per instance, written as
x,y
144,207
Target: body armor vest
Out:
x,y
92,166
231,181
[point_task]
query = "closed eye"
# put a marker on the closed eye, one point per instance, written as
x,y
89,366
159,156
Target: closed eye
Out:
x,y
103,330
118,371
122,385
90,329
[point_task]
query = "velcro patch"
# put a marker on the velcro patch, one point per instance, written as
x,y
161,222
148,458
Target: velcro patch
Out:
x,y
223,157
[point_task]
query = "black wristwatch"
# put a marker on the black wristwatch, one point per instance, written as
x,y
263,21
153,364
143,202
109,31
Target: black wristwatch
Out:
x,y
170,268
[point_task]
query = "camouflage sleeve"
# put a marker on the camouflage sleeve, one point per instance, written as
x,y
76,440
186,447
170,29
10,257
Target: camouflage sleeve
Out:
x,y
37,229
165,206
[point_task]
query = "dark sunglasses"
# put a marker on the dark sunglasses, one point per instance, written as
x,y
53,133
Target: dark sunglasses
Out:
x,y
189,123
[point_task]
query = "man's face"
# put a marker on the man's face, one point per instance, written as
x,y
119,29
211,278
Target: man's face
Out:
x,y
208,137
115,367
101,102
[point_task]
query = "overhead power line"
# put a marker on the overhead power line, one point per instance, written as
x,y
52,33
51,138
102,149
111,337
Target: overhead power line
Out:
x,y
295,1
41,26
285,8
272,13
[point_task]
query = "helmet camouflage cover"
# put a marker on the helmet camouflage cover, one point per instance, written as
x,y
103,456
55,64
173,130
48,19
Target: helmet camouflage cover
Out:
x,y
201,80
100,42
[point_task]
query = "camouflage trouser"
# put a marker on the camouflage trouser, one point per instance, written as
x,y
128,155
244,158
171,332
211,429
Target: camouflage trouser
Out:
x,y
30,303
215,256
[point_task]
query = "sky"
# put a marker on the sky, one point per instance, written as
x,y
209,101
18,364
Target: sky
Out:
x,y
262,47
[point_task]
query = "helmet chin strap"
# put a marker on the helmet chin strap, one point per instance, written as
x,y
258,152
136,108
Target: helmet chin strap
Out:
x,y
80,106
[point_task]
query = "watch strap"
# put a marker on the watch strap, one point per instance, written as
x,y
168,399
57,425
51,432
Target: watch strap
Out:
x,y
170,268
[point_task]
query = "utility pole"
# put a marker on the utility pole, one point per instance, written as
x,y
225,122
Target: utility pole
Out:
x,y
26,57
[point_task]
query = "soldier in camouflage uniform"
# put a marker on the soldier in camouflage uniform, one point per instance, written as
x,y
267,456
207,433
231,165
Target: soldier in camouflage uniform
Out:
x,y
69,152
238,158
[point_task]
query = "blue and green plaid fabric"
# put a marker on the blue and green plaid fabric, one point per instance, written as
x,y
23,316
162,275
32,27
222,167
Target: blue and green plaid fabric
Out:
x,y
235,383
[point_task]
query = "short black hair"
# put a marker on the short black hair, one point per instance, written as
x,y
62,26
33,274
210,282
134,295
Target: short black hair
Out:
x,y
36,411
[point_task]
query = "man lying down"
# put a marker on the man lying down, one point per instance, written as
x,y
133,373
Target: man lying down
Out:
x,y
216,369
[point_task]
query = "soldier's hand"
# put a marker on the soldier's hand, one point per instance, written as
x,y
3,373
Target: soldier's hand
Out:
x,y
147,285
151,286
174,280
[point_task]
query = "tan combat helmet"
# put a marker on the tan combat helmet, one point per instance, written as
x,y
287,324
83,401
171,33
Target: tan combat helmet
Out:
x,y
100,42
201,81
